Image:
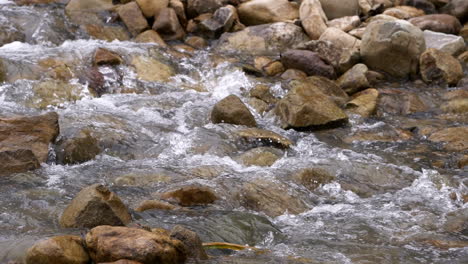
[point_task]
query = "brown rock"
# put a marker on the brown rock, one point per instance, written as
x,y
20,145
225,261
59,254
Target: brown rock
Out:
x,y
330,88
168,26
293,74
305,106
133,18
363,103
313,19
150,36
191,195
191,241
404,12
439,23
16,161
222,21
107,33
336,9
345,24
179,8
457,8
33,133
398,102
77,150
104,56
312,178
232,110
121,261
110,243
257,12
265,136
263,93
196,42
261,156
340,39
455,138
58,250
154,204
93,206
308,62
355,79
152,8
260,106
198,7
152,70
438,66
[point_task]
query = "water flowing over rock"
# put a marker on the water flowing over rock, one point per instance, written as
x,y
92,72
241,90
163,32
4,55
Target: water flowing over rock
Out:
x,y
109,243
393,47
59,249
93,206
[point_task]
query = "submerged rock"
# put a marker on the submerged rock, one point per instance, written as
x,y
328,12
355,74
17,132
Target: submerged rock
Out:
x,y
455,138
305,106
191,195
104,56
262,156
58,250
393,47
232,110
154,204
111,243
312,178
93,206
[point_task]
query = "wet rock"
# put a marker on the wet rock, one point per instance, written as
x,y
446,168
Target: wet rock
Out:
x,y
17,160
438,66
293,74
438,23
456,101
457,221
308,62
306,106
53,93
262,156
454,138
340,39
336,9
257,12
35,133
263,93
363,103
388,134
121,261
355,79
330,88
168,26
191,195
345,24
133,18
265,136
59,250
444,42
154,204
397,102
104,56
262,39
457,8
88,5
93,206
462,163
404,12
150,36
110,243
191,241
312,178
260,106
10,34
221,21
232,110
152,8
196,42
152,70
447,244
313,18
198,7
399,42
107,33
269,197
77,150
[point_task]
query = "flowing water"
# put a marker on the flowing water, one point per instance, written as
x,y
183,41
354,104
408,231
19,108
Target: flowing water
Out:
x,y
158,136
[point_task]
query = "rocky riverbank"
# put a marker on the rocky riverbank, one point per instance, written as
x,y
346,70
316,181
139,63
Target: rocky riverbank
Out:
x,y
117,113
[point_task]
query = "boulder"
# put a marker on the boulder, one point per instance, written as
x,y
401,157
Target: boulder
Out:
x,y
340,39
305,106
221,21
262,39
133,18
454,138
330,88
152,8
150,36
345,24
257,12
404,12
191,195
78,149
33,133
106,57
152,70
17,160
438,23
232,110
93,206
448,43
168,26
191,241
308,62
313,18
198,7
355,79
336,8
58,250
457,8
438,66
393,47
112,243
363,103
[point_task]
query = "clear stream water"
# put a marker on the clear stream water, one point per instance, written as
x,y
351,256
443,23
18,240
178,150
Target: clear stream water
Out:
x,y
160,137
